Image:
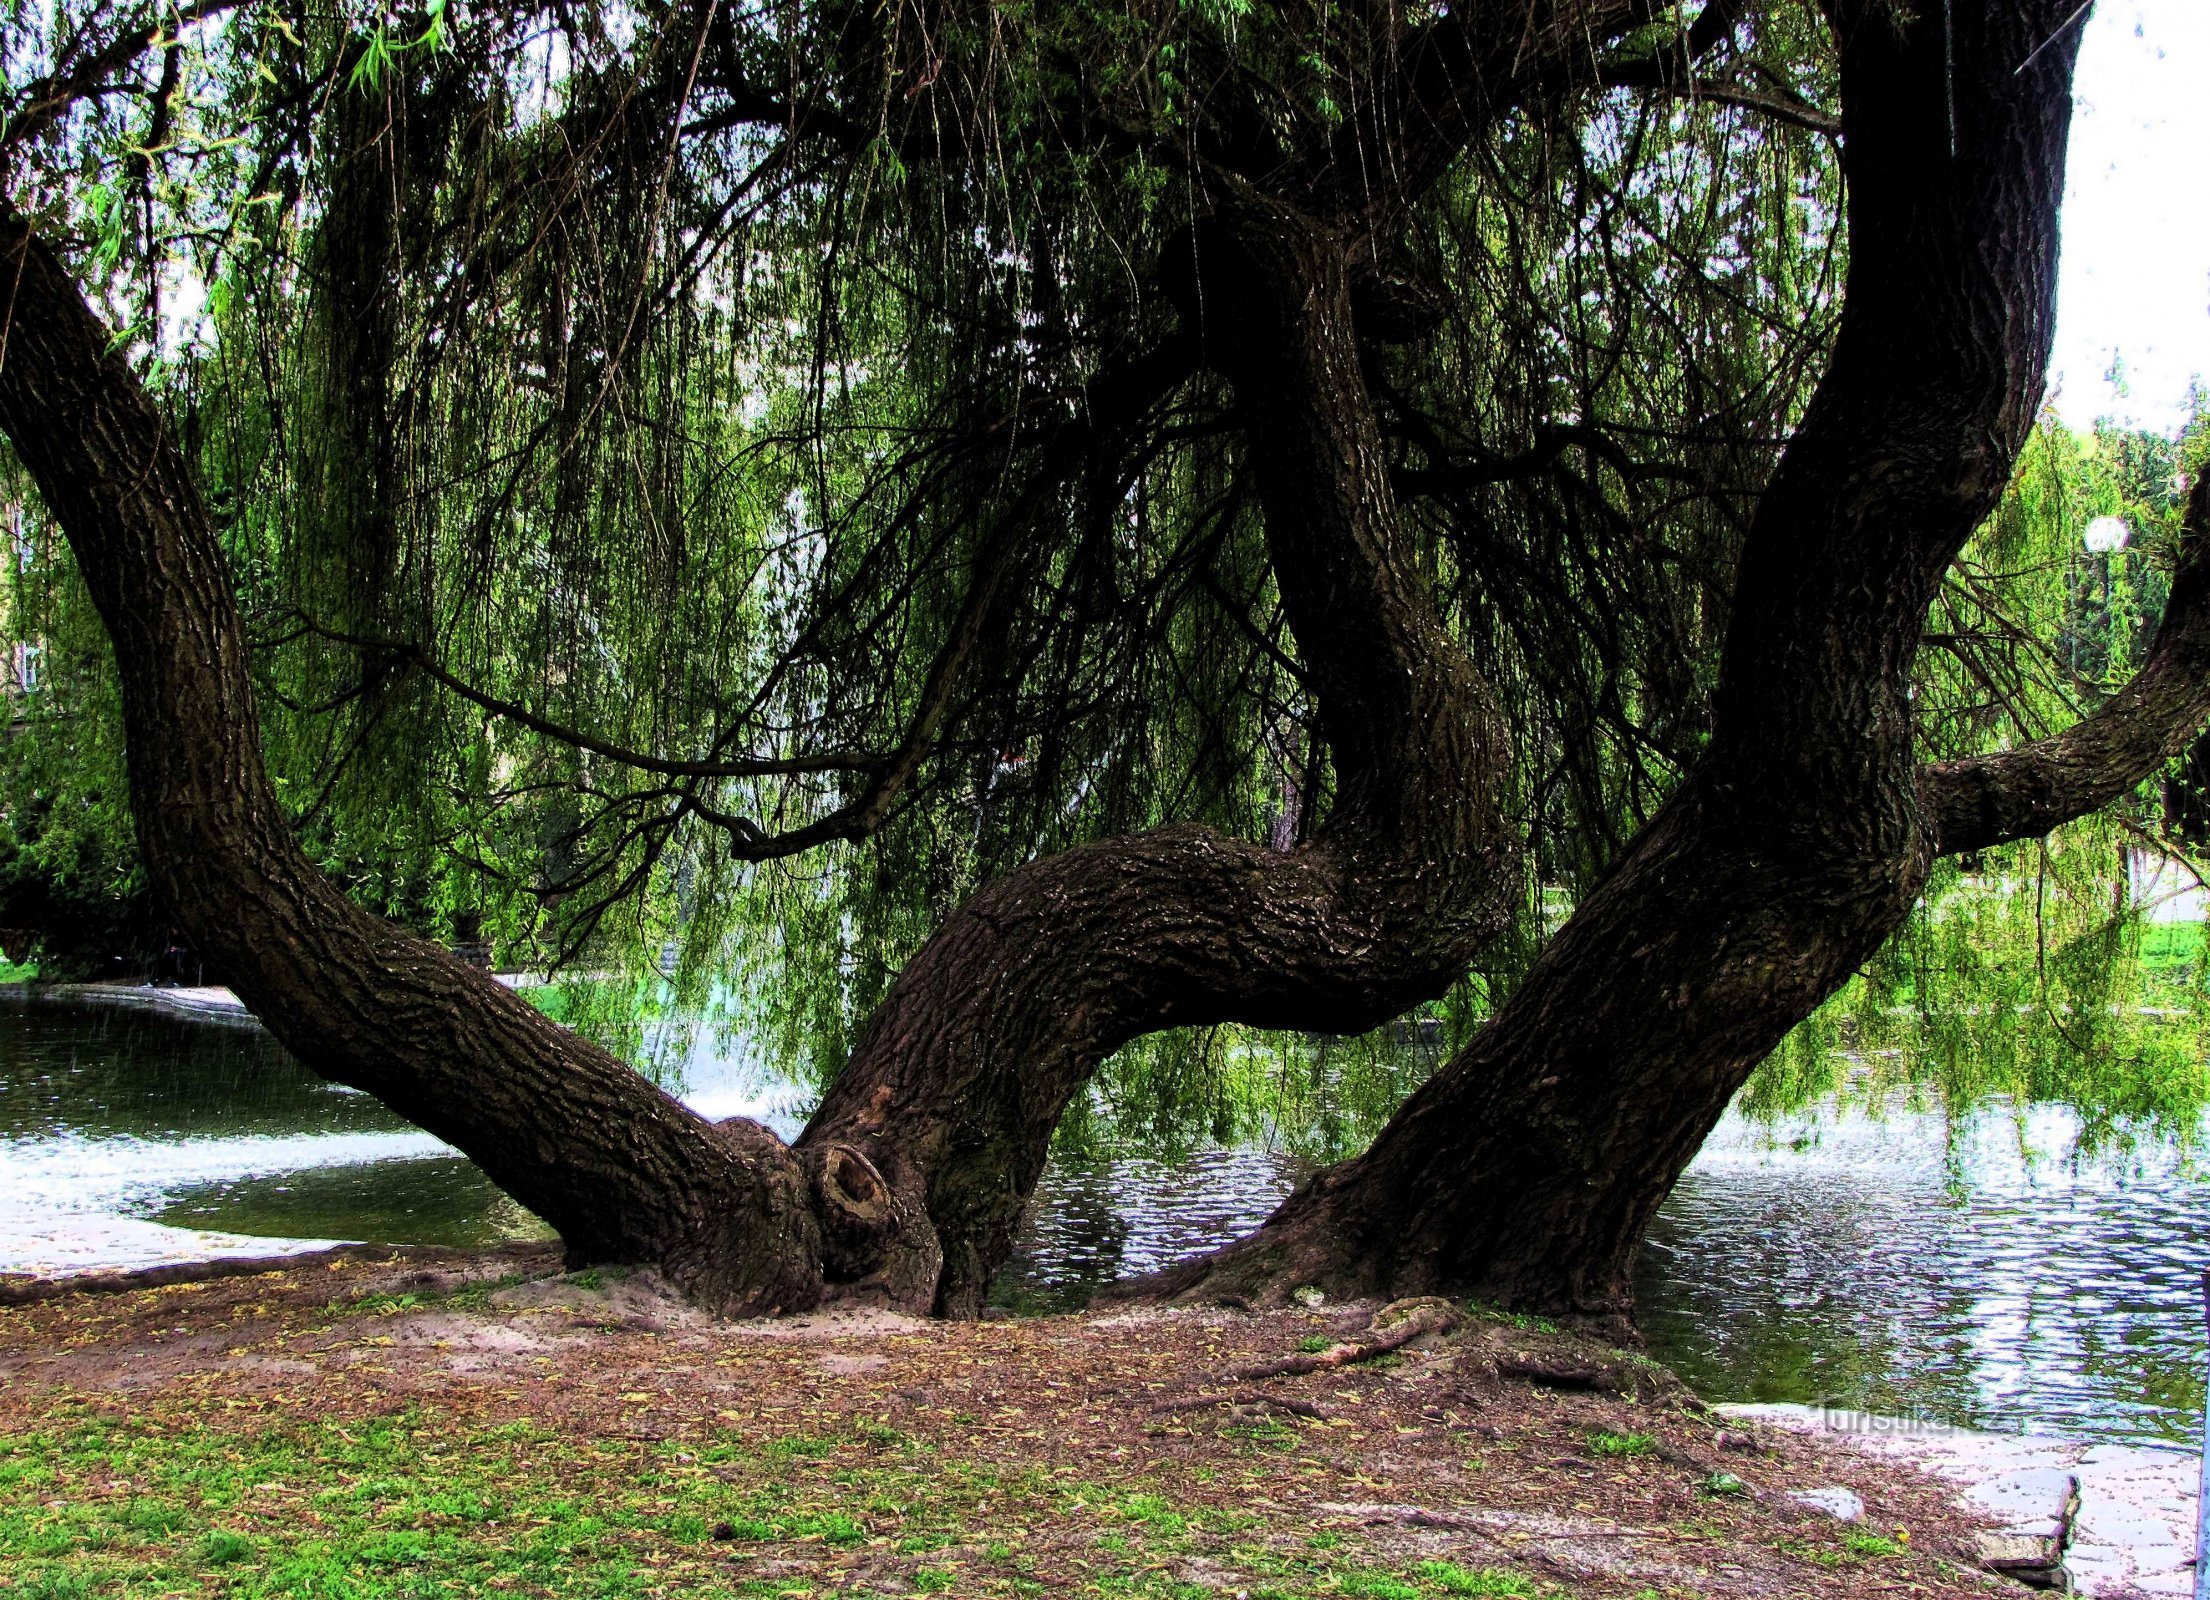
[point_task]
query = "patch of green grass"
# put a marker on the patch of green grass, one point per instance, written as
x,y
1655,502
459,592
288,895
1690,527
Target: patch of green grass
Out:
x,y
220,1549
424,1504
1313,1343
1870,1544
46,1584
1511,1319
1153,1512
477,1296
1377,1585
374,1305
2163,944
152,1519
1606,1444
1451,1578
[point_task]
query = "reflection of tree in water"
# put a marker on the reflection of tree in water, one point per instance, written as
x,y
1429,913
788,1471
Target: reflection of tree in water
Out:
x,y
1777,1286
1914,1269
2128,1357
109,1072
442,1200
1071,1242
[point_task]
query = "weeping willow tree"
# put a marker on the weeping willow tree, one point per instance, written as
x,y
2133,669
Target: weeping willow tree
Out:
x,y
2044,970
1027,531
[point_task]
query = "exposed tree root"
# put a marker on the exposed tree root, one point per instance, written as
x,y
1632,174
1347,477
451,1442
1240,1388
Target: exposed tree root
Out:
x,y
1590,1376
1393,1326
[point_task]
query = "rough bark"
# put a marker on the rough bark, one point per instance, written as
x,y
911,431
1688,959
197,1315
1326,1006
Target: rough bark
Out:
x,y
1526,1170
1002,1017
624,1172
970,1064
962,1077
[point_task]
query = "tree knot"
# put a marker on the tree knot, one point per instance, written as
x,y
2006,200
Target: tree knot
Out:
x,y
858,1212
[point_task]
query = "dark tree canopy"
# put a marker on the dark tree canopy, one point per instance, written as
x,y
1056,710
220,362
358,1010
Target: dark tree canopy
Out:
x,y
694,397
1050,524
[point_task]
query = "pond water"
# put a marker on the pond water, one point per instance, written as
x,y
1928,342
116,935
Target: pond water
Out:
x,y
1971,1273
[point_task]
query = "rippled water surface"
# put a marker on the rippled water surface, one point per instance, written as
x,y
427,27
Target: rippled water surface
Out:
x,y
1972,1275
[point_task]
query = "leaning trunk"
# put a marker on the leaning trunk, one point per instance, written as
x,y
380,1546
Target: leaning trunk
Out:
x,y
624,1172
1528,1168
1003,1016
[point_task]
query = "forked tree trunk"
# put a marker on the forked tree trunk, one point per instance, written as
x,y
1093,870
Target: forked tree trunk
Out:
x,y
1528,1168
962,1077
1001,1018
959,1082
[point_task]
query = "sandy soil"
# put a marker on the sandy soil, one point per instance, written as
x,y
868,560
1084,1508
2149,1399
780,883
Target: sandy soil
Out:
x,y
1490,1445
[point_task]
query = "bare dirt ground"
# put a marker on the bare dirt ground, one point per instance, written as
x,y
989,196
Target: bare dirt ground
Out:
x,y
1107,1453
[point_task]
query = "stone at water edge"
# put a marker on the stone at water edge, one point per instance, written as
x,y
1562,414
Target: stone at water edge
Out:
x,y
1843,1505
2132,1533
2031,1558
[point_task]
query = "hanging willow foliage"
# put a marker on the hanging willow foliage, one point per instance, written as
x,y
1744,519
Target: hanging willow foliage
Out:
x,y
700,504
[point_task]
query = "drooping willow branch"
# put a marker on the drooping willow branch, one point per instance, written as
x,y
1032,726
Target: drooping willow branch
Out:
x,y
2022,793
51,97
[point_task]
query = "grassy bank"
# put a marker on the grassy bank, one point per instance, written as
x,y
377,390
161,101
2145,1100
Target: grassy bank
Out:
x,y
356,1430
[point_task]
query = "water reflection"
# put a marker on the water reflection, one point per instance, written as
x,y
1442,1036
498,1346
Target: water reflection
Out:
x,y
1096,1221
1974,1275
1969,1274
129,1138
439,1199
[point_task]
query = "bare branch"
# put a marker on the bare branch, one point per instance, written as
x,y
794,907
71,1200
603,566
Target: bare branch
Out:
x,y
2022,793
413,655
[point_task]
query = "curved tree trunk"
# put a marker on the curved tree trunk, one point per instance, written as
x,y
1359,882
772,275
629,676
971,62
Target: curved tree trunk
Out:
x,y
1527,1169
972,1060
967,1069
623,1171
992,1028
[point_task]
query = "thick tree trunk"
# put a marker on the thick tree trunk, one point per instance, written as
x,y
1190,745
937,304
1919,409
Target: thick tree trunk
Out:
x,y
966,1071
988,1033
962,1077
970,1064
1528,1168
622,1170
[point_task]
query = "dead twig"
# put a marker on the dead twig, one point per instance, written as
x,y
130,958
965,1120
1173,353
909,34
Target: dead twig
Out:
x,y
1296,1408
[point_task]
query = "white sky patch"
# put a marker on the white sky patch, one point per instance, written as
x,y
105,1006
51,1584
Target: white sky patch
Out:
x,y
2134,292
